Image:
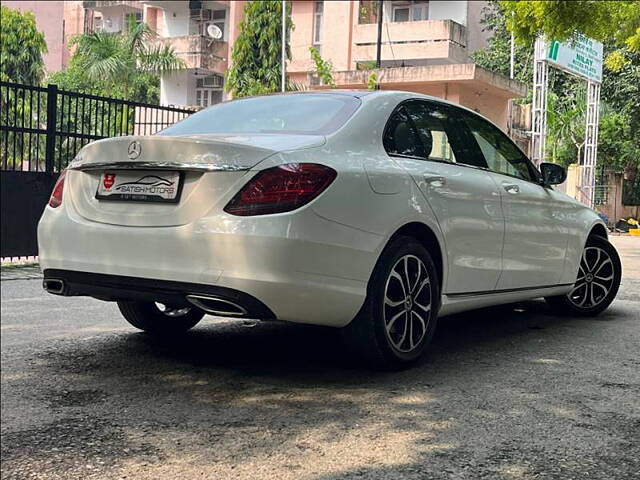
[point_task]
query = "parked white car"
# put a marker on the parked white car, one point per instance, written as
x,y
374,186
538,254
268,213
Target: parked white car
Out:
x,y
375,212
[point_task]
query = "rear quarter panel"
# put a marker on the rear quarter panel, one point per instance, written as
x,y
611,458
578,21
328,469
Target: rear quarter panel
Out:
x,y
371,198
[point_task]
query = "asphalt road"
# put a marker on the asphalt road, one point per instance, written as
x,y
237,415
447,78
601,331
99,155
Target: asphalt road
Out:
x,y
505,393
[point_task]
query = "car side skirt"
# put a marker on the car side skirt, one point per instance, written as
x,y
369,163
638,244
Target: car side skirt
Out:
x,y
460,302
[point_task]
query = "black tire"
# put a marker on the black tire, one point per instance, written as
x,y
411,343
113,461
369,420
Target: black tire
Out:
x,y
367,333
597,282
149,317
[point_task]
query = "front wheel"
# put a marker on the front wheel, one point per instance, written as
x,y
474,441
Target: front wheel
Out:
x,y
599,275
398,318
159,319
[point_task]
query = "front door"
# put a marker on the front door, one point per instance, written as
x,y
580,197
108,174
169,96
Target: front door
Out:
x,y
535,239
422,138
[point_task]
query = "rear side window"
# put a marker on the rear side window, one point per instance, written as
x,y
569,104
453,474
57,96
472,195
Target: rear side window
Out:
x,y
400,138
312,114
500,153
431,131
430,124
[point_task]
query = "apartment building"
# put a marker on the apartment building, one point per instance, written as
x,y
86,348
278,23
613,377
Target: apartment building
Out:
x,y
426,45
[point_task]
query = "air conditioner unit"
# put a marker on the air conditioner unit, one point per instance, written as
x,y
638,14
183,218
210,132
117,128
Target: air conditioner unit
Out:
x,y
210,81
200,15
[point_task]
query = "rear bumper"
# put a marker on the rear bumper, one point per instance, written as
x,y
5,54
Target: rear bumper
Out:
x,y
303,268
118,287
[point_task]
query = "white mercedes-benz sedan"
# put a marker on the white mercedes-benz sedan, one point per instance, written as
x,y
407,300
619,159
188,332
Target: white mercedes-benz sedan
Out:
x,y
375,212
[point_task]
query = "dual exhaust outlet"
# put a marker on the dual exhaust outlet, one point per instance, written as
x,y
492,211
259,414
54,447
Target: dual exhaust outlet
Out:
x,y
217,306
210,304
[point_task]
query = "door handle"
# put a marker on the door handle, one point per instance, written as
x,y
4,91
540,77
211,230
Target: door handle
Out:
x,y
511,188
435,180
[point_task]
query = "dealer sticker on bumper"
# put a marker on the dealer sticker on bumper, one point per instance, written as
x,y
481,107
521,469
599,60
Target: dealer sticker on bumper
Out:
x,y
140,186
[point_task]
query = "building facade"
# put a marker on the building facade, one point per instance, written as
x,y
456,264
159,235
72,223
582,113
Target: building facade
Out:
x,y
426,45
50,20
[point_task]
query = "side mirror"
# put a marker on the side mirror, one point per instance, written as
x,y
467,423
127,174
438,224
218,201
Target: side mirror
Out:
x,y
552,173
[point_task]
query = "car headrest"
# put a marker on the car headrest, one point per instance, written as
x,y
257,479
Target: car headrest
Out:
x,y
403,138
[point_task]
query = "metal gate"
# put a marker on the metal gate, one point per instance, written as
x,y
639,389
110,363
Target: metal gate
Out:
x,y
41,131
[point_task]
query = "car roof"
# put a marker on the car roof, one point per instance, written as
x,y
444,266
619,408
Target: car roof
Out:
x,y
371,94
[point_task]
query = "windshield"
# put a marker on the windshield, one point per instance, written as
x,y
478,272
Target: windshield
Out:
x,y
309,114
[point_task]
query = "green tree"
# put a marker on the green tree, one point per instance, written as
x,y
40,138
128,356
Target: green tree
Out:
x,y
145,86
256,56
323,68
496,55
21,48
617,21
619,144
123,64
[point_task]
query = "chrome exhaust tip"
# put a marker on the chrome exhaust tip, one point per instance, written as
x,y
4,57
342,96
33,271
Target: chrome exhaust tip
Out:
x,y
53,285
217,306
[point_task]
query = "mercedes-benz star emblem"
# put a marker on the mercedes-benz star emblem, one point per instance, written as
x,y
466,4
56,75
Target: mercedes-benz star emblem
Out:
x,y
134,149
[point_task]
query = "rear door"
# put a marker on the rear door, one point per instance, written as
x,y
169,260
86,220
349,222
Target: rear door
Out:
x,y
535,239
424,139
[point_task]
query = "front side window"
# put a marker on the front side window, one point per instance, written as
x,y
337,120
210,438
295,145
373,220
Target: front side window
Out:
x,y
500,153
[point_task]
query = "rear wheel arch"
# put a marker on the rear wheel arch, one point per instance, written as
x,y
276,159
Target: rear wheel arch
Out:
x,y
428,239
599,230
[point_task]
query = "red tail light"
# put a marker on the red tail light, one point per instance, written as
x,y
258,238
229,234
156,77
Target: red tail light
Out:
x,y
281,189
56,196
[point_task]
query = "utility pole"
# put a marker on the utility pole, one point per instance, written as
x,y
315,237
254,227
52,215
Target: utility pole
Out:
x,y
283,56
512,56
512,59
379,43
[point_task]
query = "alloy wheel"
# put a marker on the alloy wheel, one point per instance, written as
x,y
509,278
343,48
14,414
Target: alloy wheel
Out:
x,y
595,278
407,303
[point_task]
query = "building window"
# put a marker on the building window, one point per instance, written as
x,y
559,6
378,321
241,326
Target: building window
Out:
x,y
209,90
368,11
132,19
409,11
317,23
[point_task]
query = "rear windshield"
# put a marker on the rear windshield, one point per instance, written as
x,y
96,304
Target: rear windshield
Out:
x,y
297,114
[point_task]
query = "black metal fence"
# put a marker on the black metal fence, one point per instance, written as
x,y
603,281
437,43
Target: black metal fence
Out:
x,y
43,128
41,131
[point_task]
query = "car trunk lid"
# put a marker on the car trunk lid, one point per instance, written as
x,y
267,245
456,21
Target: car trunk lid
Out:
x,y
208,165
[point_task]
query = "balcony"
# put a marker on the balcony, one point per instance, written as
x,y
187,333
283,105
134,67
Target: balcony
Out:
x,y
442,40
100,4
199,51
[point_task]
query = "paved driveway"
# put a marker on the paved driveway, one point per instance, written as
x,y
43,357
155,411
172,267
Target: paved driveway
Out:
x,y
505,393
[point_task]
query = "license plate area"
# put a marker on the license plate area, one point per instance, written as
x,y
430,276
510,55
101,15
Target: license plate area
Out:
x,y
150,186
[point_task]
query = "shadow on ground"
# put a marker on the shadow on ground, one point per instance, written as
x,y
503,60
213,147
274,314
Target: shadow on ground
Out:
x,y
287,401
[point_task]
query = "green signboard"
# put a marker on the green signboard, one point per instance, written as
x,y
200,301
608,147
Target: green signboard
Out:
x,y
581,56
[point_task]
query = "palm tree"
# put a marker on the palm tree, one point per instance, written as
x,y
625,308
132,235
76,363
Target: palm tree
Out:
x,y
116,58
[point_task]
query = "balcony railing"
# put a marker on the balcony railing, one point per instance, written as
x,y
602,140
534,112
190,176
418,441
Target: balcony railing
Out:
x,y
98,4
426,39
199,51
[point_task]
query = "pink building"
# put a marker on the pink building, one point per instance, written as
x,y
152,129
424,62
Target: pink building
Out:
x,y
425,45
50,21
425,48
